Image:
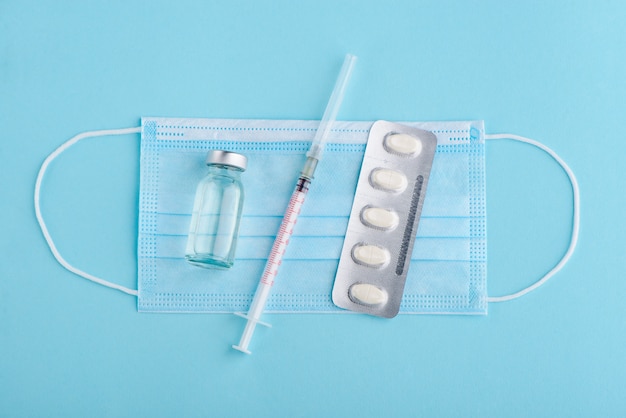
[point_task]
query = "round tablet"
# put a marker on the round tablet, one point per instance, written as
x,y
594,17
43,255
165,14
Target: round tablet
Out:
x,y
403,144
386,179
379,218
367,294
370,255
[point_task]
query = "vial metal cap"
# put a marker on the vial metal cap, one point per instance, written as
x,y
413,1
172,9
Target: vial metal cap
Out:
x,y
229,158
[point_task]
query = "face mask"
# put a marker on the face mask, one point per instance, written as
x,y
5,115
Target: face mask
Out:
x,y
448,264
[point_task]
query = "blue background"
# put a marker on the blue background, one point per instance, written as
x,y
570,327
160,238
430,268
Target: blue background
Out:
x,y
553,71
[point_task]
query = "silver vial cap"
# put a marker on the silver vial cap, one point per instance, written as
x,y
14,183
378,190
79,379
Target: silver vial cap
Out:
x,y
229,158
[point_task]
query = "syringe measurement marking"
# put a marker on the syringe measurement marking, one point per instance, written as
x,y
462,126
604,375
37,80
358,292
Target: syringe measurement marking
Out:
x,y
284,233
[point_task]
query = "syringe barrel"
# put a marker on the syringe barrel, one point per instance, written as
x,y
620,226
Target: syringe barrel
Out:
x,y
253,316
274,261
259,301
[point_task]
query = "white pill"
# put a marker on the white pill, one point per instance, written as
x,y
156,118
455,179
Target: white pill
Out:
x,y
386,179
367,294
379,218
370,255
403,144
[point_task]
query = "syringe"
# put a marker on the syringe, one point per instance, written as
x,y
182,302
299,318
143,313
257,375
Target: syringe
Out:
x,y
295,204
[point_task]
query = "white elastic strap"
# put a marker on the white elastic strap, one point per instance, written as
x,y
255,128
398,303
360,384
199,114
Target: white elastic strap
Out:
x,y
42,224
575,220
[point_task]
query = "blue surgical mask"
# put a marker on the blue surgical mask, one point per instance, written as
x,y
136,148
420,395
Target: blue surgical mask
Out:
x,y
449,261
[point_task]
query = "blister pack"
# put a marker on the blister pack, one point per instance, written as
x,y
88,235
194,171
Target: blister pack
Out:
x,y
384,219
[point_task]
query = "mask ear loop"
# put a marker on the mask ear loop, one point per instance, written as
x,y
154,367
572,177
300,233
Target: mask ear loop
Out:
x,y
575,220
42,224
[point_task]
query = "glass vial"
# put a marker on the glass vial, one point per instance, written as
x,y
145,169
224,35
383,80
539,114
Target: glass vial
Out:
x,y
217,212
